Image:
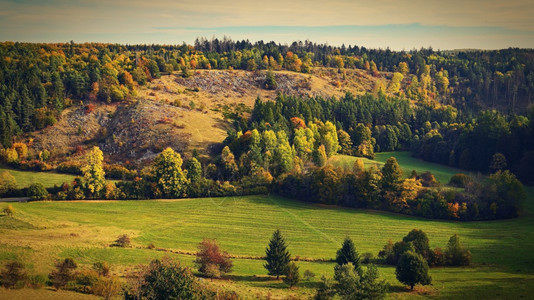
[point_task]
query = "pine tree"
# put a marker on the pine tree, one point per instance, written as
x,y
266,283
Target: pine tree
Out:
x,y
348,254
277,256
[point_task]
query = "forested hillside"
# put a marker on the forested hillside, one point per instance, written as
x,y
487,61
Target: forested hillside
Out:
x,y
39,80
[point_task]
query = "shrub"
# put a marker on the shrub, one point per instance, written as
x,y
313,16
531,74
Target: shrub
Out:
x,y
37,191
293,275
102,268
9,210
459,180
63,274
86,278
211,261
456,254
13,275
166,279
123,241
107,287
367,257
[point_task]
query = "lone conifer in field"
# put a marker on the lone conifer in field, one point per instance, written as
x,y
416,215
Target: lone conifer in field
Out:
x,y
277,256
348,254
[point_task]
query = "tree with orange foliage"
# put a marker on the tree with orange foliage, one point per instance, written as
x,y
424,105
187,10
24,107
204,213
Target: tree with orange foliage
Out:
x,y
211,261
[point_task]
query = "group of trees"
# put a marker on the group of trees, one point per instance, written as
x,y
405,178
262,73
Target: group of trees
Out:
x,y
386,189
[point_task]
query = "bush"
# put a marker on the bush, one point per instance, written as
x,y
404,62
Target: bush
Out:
x,y
122,241
102,268
37,191
456,254
211,261
13,275
9,210
292,276
63,274
166,279
107,287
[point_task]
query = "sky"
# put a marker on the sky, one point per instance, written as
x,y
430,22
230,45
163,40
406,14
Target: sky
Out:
x,y
397,24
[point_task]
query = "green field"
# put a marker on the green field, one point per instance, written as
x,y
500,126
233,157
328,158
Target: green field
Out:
x,y
48,179
406,162
40,232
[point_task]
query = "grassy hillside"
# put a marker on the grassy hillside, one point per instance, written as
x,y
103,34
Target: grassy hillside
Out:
x,y
405,160
40,232
48,179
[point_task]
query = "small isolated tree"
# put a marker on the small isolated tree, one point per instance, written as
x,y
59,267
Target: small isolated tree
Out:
x,y
37,191
166,279
270,80
7,182
348,254
277,256
63,273
211,261
292,275
13,275
169,174
456,254
93,172
107,287
9,210
412,269
123,241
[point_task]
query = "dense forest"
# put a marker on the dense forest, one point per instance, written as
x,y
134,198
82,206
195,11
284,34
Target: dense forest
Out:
x,y
39,80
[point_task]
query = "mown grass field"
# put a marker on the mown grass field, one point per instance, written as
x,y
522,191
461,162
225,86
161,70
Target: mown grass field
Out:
x,y
48,179
41,232
406,162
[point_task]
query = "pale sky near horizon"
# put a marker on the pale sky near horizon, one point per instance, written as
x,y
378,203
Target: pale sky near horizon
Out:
x,y
398,24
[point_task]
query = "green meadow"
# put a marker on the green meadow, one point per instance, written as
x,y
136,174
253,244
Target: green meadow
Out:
x,y
41,232
406,162
48,179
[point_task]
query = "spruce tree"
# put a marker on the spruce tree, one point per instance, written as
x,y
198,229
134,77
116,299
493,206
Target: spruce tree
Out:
x,y
277,256
348,254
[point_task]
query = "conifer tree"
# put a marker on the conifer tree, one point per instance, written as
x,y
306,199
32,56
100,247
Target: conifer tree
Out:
x,y
348,254
277,256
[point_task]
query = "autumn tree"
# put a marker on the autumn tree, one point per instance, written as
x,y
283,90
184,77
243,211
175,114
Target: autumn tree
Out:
x,y
276,255
93,172
498,162
211,261
169,174
229,166
7,182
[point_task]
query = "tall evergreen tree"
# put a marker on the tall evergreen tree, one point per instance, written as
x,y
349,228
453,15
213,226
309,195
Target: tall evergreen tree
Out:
x,y
348,254
277,256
